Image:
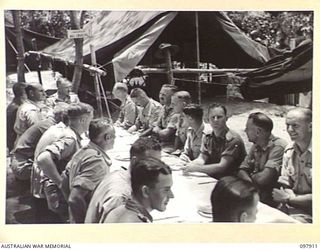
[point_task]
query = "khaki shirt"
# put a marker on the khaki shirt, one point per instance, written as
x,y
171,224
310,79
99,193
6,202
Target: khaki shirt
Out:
x,y
149,115
128,113
194,139
269,157
131,212
230,144
297,169
167,118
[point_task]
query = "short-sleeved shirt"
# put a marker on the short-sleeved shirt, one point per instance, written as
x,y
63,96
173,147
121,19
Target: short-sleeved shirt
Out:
x,y
149,115
194,138
297,169
131,212
88,167
128,113
52,134
113,191
268,157
54,99
229,144
167,119
28,114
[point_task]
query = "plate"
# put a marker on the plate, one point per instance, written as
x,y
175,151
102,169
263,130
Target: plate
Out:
x,y
122,158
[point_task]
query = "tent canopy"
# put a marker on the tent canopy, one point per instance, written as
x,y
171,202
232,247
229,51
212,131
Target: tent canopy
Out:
x,y
124,39
288,73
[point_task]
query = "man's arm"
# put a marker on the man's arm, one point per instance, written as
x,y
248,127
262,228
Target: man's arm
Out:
x,y
166,134
78,204
211,169
48,166
265,177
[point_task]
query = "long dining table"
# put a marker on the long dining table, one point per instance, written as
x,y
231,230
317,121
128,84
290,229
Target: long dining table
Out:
x,y
191,202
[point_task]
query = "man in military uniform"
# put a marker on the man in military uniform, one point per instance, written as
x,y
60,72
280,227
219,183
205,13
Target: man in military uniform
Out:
x,y
192,115
115,188
63,93
54,157
88,167
262,165
295,194
128,110
149,113
151,183
32,110
222,151
164,125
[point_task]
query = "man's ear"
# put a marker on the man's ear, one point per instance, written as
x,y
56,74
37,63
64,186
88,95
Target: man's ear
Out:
x,y
145,191
243,216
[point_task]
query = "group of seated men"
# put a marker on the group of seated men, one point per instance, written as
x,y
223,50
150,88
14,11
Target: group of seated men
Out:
x,y
71,176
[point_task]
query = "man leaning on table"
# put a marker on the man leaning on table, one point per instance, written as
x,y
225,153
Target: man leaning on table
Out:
x,y
296,173
222,150
262,164
115,188
151,182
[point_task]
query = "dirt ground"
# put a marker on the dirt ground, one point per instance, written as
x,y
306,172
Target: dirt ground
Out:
x,y
20,206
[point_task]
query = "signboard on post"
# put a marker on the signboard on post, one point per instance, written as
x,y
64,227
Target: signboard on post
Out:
x,y
77,33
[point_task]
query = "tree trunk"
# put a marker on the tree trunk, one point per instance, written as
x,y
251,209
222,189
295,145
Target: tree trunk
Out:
x,y
76,23
20,47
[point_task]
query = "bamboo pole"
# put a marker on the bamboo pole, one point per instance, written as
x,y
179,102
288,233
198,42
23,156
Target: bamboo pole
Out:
x,y
194,71
87,67
96,81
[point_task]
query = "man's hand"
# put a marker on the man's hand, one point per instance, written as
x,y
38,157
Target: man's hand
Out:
x,y
282,195
184,158
156,130
191,167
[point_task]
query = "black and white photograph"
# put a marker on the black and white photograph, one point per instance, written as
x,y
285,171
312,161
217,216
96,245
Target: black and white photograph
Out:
x,y
158,116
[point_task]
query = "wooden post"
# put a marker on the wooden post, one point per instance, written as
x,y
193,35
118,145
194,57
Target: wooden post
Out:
x,y
38,58
20,47
96,81
198,56
169,65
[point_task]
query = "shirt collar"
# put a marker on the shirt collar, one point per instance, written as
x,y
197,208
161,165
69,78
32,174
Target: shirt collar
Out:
x,y
100,150
133,205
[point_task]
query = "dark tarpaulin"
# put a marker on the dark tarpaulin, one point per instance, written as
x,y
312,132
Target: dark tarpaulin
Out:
x,y
285,74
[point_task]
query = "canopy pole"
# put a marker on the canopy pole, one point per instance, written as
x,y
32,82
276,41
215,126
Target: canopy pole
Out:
x,y
38,58
198,55
169,65
96,80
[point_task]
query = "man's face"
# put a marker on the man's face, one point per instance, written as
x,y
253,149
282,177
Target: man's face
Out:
x,y
187,120
110,137
119,94
86,119
217,118
165,96
38,94
251,131
297,126
177,104
137,101
161,193
64,88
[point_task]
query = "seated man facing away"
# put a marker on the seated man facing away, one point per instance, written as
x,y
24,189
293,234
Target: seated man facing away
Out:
x,y
23,154
165,128
192,116
87,168
151,182
178,101
55,156
234,200
295,194
128,110
262,164
115,188
222,151
149,113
